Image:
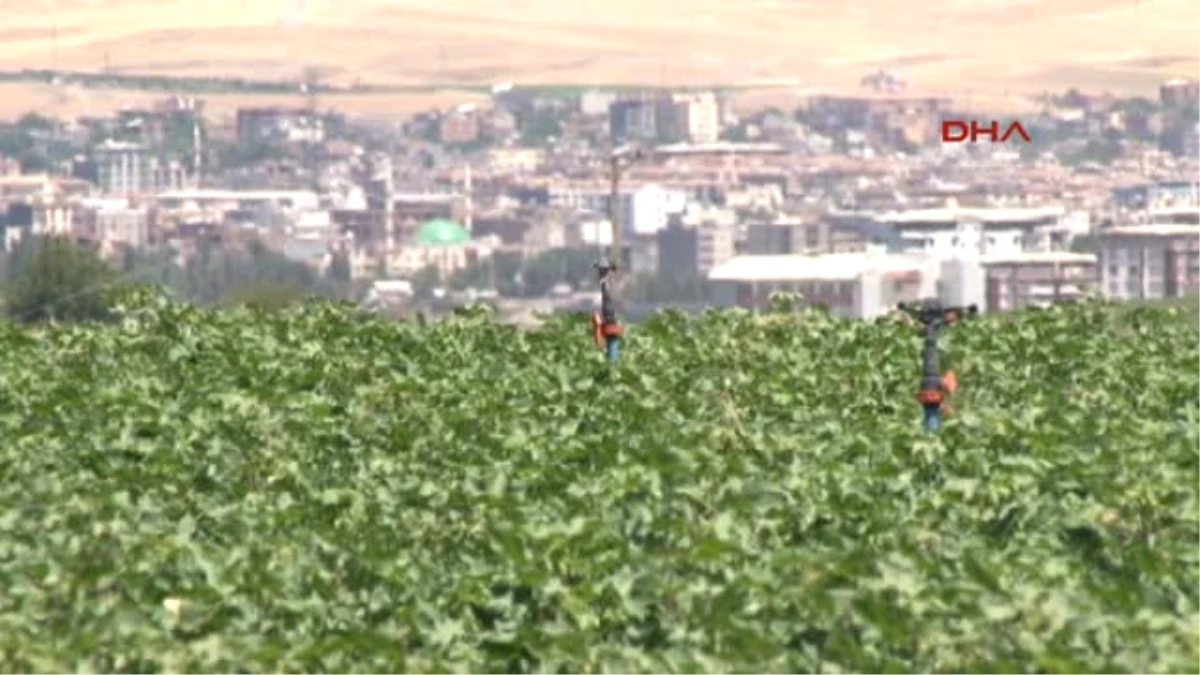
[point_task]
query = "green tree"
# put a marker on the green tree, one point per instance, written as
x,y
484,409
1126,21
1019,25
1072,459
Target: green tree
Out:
x,y
339,268
265,295
514,275
58,279
32,121
425,280
540,128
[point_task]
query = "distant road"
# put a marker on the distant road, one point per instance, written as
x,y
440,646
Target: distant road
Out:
x,y
238,85
66,93
200,85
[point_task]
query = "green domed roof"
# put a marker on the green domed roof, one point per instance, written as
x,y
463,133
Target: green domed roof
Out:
x,y
442,232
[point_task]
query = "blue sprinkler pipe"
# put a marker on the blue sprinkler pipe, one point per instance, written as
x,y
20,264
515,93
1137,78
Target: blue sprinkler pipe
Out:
x,y
605,324
612,347
933,416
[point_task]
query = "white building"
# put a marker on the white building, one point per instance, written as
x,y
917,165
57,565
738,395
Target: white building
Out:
x,y
702,115
219,201
131,168
127,226
516,160
938,231
862,285
650,207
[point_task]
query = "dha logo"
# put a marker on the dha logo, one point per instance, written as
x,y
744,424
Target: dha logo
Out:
x,y
969,131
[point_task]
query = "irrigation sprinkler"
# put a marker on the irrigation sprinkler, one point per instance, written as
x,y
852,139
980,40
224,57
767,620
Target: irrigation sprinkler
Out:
x,y
936,386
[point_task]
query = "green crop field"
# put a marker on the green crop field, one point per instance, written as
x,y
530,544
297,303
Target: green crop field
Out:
x,y
320,491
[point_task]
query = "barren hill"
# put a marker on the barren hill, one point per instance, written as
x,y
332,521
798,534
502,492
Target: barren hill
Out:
x,y
986,47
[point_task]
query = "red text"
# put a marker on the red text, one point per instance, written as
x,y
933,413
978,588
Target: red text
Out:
x,y
969,131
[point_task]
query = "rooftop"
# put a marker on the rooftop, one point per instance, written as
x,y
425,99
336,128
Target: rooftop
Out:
x,y
442,232
1037,257
990,215
232,195
824,267
720,146
1155,230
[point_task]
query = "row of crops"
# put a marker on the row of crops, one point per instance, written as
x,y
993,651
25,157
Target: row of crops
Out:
x,y
316,490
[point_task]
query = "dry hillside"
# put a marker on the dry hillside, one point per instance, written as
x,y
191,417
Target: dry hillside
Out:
x,y
990,48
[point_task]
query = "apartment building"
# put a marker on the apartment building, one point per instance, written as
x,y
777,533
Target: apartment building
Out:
x,y
702,116
1179,93
788,237
131,168
1150,261
692,116
693,250
633,119
1036,278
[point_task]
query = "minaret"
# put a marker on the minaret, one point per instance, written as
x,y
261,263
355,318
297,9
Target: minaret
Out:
x,y
389,207
197,150
470,203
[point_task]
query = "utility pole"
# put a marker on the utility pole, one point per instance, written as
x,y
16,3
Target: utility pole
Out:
x,y
605,323
312,82
618,161
615,257
198,166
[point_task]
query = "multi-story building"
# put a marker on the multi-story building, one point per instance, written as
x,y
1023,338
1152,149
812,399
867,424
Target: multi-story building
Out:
x,y
693,250
879,115
1150,261
1162,194
278,124
993,230
1179,93
783,238
702,116
113,223
595,103
459,126
131,168
633,119
123,168
1023,279
650,207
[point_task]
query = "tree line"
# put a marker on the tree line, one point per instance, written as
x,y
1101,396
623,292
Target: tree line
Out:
x,y
515,275
58,279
